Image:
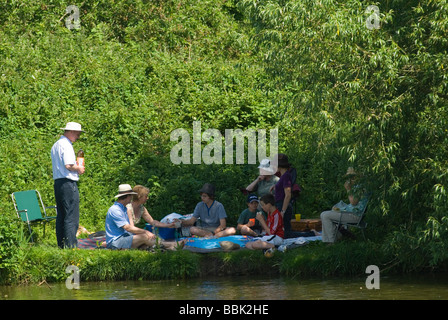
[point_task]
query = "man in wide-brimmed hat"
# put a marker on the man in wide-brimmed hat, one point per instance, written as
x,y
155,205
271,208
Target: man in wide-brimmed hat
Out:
x,y
212,214
66,175
120,233
345,212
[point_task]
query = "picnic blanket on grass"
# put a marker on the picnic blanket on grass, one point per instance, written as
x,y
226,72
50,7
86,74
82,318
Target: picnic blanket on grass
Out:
x,y
95,240
297,242
206,245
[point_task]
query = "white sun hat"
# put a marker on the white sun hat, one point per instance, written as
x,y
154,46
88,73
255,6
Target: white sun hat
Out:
x,y
72,126
266,168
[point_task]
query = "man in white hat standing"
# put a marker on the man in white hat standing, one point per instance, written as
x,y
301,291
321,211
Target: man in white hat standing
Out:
x,y
66,175
120,233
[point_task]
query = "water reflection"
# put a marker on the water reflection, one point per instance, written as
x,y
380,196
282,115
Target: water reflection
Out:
x,y
241,288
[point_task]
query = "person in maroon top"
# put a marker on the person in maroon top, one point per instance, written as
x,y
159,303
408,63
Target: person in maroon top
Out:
x,y
273,227
283,197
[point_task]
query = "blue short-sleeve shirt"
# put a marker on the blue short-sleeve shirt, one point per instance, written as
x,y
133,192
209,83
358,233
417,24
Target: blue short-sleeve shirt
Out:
x,y
210,216
116,219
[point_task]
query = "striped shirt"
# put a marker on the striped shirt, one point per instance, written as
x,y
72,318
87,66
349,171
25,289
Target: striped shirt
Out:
x,y
275,224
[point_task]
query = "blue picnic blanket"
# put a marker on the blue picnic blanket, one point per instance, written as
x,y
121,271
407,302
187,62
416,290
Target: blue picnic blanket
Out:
x,y
205,245
211,244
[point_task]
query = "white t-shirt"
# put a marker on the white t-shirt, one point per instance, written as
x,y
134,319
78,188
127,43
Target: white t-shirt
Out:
x,y
62,154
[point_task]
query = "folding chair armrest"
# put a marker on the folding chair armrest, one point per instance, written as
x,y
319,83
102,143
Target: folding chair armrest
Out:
x,y
26,214
340,223
46,217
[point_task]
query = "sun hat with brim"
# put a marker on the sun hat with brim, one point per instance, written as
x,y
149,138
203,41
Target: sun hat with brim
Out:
x,y
208,188
283,161
72,126
266,168
350,172
229,246
124,190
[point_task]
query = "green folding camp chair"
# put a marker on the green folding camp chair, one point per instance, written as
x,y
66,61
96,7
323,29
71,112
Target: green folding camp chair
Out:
x,y
28,209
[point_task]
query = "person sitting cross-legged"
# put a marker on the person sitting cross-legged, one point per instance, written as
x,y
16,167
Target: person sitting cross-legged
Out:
x,y
212,215
121,232
273,226
247,222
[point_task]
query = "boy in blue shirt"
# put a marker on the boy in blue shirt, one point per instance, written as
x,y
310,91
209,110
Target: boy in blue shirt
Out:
x,y
247,222
212,215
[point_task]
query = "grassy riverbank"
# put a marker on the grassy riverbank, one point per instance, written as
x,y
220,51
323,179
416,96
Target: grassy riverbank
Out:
x,y
24,263
41,262
340,93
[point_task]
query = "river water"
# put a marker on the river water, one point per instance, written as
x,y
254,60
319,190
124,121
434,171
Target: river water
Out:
x,y
431,287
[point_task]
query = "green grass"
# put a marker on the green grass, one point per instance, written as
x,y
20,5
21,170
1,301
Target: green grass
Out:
x,y
49,264
42,262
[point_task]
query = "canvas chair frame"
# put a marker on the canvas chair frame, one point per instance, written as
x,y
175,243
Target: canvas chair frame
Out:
x,y
29,207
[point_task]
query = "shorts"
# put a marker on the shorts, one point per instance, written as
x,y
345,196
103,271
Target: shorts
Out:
x,y
209,229
258,231
272,239
122,242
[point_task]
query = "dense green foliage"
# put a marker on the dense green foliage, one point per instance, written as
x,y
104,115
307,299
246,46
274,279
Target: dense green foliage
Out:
x,y
128,96
340,93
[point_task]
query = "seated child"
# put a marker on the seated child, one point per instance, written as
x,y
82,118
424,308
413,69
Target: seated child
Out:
x,y
273,228
212,214
247,222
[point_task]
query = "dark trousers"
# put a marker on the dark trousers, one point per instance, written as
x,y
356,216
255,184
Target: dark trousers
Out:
x,y
287,216
67,219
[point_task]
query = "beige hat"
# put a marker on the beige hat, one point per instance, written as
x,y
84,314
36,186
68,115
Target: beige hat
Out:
x,y
208,188
229,246
72,126
124,190
350,172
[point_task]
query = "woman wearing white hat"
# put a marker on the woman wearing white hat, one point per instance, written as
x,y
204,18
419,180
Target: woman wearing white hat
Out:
x,y
66,174
267,178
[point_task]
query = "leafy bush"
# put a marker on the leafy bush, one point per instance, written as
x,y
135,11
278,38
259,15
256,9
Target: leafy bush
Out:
x,y
374,99
127,78
13,245
340,93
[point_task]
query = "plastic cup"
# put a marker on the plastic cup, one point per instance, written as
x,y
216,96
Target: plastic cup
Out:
x,y
298,217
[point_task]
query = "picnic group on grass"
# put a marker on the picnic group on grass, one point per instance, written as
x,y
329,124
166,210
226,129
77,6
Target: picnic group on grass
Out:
x,y
267,216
